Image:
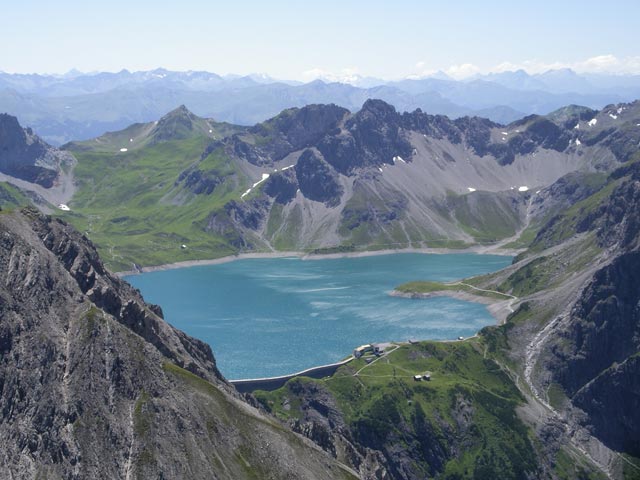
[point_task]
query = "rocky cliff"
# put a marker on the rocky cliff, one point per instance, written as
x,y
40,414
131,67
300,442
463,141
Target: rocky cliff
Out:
x,y
593,351
25,156
94,384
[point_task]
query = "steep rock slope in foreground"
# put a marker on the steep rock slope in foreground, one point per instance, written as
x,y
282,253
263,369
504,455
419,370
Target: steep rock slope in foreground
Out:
x,y
94,384
586,361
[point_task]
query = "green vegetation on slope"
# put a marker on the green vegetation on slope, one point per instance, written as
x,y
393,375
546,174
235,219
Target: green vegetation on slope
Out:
x,y
487,217
461,424
132,208
11,197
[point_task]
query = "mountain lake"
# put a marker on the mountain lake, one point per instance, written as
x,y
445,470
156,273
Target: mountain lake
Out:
x,y
275,316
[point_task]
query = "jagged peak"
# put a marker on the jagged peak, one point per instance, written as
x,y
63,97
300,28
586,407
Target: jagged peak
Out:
x,y
375,105
9,123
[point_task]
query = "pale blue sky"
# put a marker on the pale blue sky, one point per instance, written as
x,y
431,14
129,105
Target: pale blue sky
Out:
x,y
388,39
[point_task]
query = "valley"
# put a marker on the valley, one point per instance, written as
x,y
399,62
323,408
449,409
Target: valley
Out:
x,y
549,392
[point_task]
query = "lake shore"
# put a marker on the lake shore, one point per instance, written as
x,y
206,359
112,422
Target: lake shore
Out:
x,y
499,309
481,250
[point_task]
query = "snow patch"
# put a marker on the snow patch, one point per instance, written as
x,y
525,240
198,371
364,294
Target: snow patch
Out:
x,y
615,117
264,177
592,122
131,140
537,192
287,168
64,207
124,149
578,142
577,127
210,131
620,110
471,189
380,169
505,133
398,158
523,188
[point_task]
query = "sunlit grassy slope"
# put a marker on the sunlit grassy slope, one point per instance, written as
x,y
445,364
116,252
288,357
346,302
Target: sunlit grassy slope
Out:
x,y
130,204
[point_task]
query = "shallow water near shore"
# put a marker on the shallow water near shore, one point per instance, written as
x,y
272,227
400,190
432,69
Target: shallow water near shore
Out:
x,y
274,316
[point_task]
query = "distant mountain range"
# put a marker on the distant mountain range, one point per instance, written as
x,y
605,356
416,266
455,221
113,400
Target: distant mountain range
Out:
x,y
78,106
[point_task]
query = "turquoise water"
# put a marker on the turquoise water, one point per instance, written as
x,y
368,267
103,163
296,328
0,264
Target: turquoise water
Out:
x,y
266,317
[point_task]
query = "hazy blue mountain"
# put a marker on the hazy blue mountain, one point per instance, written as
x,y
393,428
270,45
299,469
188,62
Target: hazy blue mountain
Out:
x,y
77,106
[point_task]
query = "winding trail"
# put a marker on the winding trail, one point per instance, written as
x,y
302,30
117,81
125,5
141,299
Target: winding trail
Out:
x,y
512,298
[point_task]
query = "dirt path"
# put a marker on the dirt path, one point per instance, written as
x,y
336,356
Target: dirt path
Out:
x,y
381,356
512,298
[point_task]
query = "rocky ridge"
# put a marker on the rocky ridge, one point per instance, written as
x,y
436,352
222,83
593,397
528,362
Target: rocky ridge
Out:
x,y
25,156
93,383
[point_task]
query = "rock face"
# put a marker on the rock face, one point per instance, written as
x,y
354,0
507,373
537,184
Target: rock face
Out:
x,y
388,178
593,353
94,384
612,401
295,128
282,186
317,179
605,325
371,137
25,156
198,181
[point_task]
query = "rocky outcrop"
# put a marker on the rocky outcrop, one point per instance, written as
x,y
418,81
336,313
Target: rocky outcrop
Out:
x,y
282,186
593,352
238,219
612,401
199,181
366,208
291,130
94,384
25,156
371,137
317,179
604,328
298,128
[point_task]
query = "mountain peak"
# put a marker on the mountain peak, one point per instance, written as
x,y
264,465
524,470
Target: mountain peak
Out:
x,y
9,128
378,108
176,125
182,110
